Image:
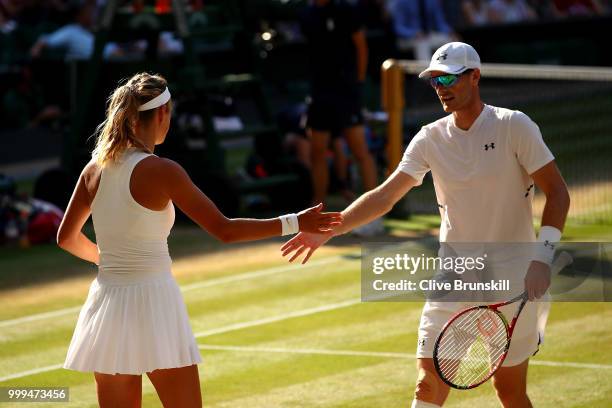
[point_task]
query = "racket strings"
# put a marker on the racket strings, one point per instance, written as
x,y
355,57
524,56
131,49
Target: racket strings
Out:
x,y
472,360
467,345
469,330
466,356
471,347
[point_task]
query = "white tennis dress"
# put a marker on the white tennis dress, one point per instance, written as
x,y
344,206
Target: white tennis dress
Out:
x,y
134,319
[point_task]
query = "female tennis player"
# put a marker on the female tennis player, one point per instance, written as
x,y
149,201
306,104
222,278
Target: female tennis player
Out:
x,y
134,320
484,161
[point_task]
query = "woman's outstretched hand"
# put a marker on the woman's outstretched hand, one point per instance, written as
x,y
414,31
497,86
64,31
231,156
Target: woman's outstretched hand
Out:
x,y
315,221
305,241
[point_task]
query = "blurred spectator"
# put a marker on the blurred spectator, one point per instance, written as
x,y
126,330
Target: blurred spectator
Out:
x,y
420,26
9,10
129,50
476,12
75,39
453,12
23,105
292,123
544,9
339,55
24,220
170,44
511,11
570,8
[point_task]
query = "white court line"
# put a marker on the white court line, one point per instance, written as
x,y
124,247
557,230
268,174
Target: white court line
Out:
x,y
381,354
258,274
306,312
184,288
570,364
352,353
274,319
31,372
225,329
40,316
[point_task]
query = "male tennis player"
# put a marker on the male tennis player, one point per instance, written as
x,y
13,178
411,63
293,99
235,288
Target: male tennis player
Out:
x,y
484,161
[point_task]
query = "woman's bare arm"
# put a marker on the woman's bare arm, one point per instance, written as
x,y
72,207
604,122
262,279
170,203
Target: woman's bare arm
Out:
x,y
177,185
69,235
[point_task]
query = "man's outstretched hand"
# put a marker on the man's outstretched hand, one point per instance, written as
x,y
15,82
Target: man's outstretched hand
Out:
x,y
315,221
304,241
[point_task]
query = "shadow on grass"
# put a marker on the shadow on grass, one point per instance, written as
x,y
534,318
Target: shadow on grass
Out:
x,y
40,264
21,268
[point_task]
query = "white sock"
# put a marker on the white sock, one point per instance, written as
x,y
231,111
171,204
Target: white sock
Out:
x,y
422,404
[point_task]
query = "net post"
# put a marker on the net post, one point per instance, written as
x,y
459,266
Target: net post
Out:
x,y
392,89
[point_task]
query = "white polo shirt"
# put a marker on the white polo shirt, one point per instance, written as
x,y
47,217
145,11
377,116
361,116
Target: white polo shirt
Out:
x,y
481,175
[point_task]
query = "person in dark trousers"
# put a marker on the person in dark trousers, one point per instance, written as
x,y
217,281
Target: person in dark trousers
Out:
x,y
338,54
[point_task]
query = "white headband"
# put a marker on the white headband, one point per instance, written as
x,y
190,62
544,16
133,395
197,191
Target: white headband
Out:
x,y
156,102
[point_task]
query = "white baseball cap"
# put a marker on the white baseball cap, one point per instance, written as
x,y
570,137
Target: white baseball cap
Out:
x,y
453,58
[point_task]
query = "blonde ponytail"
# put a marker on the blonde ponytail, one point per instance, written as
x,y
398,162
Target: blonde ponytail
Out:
x,y
117,132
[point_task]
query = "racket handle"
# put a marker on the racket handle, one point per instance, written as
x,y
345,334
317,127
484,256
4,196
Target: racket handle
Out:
x,y
560,262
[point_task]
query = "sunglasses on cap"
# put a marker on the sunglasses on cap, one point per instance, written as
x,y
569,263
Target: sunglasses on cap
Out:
x,y
447,80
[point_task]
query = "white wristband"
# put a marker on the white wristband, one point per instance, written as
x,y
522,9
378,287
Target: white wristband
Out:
x,y
290,224
547,240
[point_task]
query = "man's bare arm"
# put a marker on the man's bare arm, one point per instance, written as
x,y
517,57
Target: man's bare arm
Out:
x,y
377,202
549,180
369,206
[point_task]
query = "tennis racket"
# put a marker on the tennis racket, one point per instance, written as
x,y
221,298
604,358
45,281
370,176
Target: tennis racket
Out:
x,y
474,343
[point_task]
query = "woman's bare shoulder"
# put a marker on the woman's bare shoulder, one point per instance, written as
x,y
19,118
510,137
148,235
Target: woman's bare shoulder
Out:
x,y
158,165
159,172
91,177
91,167
163,167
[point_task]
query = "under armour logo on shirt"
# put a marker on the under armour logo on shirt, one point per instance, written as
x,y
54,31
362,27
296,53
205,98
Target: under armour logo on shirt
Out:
x,y
442,56
489,146
528,190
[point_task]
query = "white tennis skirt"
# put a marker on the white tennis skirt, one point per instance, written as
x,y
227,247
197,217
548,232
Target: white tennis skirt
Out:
x,y
132,326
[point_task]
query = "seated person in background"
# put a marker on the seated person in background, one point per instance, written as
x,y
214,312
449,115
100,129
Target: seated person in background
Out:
x,y
420,26
570,8
75,39
544,9
292,123
9,10
476,12
511,11
338,53
168,45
